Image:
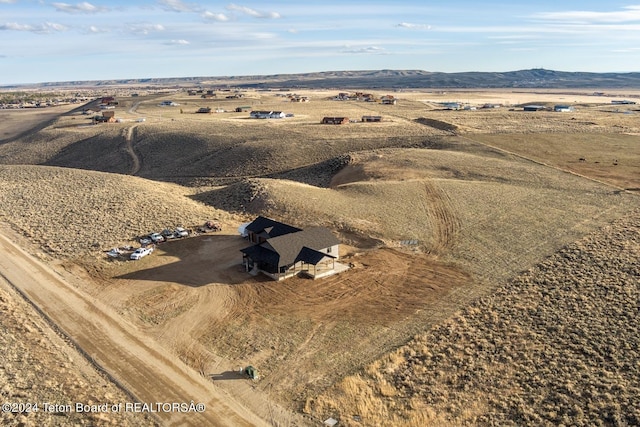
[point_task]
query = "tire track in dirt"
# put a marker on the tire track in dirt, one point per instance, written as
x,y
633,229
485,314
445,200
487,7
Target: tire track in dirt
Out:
x,y
445,224
135,159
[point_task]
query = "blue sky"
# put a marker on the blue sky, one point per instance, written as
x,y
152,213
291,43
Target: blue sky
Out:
x,y
46,41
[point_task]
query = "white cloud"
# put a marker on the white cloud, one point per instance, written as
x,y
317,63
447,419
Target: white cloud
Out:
x,y
96,30
46,28
414,26
83,7
253,12
144,29
7,1
180,42
210,16
179,6
628,14
375,50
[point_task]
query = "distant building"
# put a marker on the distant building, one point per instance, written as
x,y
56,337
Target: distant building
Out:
x,y
534,108
108,116
267,115
371,119
335,120
563,108
389,100
204,110
451,105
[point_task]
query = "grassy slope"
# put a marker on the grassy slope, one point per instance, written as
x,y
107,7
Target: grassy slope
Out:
x,y
556,345
72,213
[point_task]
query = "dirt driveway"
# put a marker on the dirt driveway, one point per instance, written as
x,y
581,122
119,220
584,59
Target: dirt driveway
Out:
x,y
142,366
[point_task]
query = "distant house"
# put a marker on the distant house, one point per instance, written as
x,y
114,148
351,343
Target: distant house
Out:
x,y
623,102
243,108
280,250
108,116
204,110
563,108
451,105
334,120
534,108
389,100
370,119
267,115
108,100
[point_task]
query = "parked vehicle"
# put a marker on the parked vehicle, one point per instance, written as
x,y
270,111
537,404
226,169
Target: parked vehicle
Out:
x,y
213,226
145,240
157,238
141,252
180,232
114,253
168,234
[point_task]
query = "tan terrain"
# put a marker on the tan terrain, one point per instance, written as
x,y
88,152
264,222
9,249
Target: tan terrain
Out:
x,y
438,210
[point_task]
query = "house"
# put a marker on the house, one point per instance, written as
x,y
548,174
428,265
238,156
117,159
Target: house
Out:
x,y
204,110
451,105
623,102
106,117
280,250
108,100
267,115
534,108
389,100
371,119
563,108
335,120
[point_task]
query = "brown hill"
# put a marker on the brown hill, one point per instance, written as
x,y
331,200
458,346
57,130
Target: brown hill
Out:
x,y
73,213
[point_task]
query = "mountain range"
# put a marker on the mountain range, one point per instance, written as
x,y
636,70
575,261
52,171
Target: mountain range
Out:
x,y
396,79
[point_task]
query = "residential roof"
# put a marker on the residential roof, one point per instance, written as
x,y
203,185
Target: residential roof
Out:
x,y
287,249
269,228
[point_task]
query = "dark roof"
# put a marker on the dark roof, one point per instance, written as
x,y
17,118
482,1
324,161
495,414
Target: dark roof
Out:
x,y
270,228
287,249
288,246
311,256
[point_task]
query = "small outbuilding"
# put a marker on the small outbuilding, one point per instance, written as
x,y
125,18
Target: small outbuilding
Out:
x,y
371,119
534,108
563,109
335,120
267,115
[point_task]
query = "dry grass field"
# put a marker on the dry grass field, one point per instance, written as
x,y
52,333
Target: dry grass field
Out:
x,y
557,345
483,195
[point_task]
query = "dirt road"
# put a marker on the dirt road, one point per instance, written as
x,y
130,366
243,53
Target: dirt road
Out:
x,y
140,365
